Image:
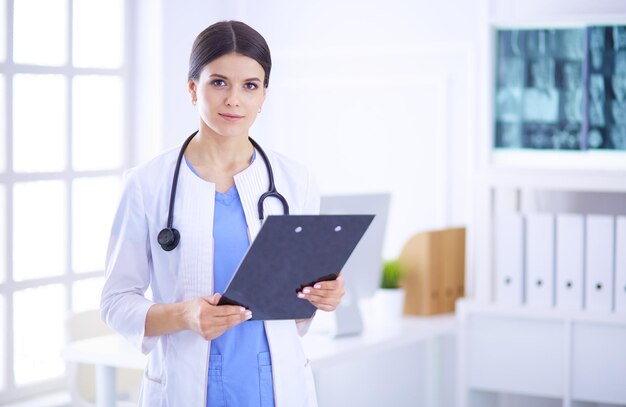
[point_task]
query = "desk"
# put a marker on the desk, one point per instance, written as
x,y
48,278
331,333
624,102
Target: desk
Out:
x,y
407,363
333,360
324,351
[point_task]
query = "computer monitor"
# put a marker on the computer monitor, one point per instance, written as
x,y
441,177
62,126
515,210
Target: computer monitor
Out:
x,y
363,270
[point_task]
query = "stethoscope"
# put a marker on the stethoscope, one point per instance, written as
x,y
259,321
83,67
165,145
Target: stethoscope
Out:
x,y
169,237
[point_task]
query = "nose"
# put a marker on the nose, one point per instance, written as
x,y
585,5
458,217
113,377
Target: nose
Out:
x,y
232,98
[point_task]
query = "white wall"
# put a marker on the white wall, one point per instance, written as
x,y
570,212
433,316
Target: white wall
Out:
x,y
164,32
371,95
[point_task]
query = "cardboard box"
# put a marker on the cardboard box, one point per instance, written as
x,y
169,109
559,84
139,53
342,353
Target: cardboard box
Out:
x,y
434,267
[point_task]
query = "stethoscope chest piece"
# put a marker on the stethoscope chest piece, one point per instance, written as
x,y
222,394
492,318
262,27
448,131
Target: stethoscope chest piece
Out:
x,y
168,238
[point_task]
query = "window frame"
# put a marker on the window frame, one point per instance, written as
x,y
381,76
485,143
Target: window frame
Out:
x,y
8,178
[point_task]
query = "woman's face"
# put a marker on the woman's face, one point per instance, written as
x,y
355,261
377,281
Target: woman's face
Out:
x,y
229,94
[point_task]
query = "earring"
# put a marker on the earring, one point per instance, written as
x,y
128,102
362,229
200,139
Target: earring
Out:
x,y
193,102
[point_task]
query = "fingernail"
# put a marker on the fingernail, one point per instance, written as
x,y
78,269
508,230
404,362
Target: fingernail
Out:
x,y
300,295
306,291
318,286
242,309
248,314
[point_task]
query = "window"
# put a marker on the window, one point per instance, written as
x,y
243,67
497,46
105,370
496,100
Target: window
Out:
x,y
63,147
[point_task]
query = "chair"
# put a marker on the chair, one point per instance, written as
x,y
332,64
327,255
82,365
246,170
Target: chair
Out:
x,y
81,378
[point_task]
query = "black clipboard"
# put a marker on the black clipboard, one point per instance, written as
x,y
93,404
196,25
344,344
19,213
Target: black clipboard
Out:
x,y
288,254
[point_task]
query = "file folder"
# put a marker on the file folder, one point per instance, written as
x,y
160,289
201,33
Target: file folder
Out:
x,y
540,260
620,264
509,258
570,258
434,271
599,263
288,254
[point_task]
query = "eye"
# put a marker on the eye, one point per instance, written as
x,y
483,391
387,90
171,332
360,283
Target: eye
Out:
x,y
218,83
250,85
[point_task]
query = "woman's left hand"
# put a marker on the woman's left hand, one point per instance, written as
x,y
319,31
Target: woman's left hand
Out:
x,y
325,295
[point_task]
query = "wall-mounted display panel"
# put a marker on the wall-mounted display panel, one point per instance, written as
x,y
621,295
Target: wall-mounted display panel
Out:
x,y
559,99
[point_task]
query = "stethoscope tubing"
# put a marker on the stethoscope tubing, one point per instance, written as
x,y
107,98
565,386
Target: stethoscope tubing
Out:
x,y
170,215
169,237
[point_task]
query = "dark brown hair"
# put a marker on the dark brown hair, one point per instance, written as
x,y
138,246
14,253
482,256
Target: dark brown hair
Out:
x,y
224,38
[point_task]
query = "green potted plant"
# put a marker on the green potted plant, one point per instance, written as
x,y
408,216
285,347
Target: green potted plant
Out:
x,y
389,299
392,274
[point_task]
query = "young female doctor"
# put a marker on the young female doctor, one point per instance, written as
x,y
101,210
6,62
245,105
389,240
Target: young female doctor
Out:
x,y
186,250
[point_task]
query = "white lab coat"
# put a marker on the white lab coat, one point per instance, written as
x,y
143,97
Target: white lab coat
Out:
x,y
176,373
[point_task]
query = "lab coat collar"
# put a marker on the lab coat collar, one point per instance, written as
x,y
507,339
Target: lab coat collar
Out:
x,y
251,184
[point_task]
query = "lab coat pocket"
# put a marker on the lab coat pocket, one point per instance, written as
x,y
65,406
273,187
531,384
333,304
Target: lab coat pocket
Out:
x,y
151,392
266,387
215,391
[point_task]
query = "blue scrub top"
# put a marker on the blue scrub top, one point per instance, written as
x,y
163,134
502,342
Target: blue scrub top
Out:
x,y
240,368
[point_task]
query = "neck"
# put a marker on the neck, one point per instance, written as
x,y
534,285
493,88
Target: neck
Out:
x,y
219,152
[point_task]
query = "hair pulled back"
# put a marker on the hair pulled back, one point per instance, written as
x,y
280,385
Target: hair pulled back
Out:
x,y
226,37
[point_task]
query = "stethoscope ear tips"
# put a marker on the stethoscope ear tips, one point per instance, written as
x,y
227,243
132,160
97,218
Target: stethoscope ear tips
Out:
x,y
168,239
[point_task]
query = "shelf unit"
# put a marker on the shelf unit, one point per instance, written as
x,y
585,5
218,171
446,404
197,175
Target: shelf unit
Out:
x,y
554,180
512,355
525,356
530,356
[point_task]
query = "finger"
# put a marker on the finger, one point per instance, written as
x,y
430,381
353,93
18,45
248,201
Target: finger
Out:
x,y
316,299
227,310
321,296
222,323
332,291
311,292
324,306
226,322
214,299
329,285
233,320
212,309
224,309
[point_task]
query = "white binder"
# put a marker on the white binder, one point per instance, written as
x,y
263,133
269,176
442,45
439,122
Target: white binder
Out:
x,y
540,260
599,262
570,257
620,264
509,258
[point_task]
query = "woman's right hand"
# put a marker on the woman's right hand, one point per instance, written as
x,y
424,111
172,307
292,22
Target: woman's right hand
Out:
x,y
205,317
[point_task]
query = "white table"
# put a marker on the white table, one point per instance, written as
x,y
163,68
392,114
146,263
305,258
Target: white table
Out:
x,y
324,351
107,353
110,352
407,363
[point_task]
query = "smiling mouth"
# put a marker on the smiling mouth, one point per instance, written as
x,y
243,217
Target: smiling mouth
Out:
x,y
230,116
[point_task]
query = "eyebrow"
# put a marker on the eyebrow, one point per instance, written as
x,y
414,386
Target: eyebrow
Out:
x,y
216,75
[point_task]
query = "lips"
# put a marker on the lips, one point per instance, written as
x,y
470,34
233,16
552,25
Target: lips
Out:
x,y
230,117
